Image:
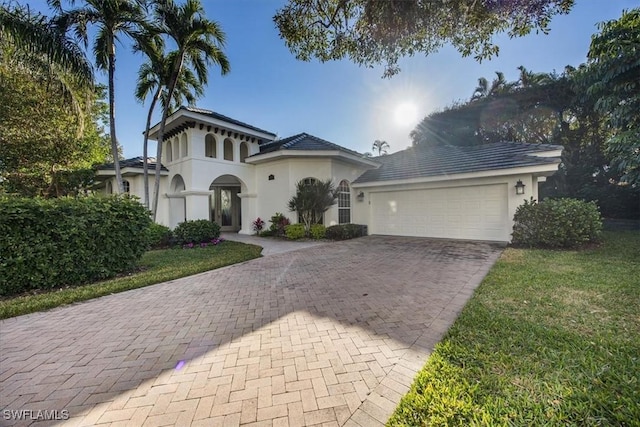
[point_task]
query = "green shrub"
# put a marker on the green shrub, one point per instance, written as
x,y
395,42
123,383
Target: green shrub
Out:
x,y
346,231
556,223
318,231
49,243
294,231
266,233
278,223
159,236
196,231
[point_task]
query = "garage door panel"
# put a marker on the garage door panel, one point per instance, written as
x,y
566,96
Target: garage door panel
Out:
x,y
473,212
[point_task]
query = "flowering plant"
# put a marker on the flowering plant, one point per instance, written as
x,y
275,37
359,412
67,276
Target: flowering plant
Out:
x,y
258,225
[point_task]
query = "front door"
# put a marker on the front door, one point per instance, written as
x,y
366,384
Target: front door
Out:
x,y
225,207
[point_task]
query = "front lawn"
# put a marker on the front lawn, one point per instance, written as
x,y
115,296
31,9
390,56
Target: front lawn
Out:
x,y
549,338
154,267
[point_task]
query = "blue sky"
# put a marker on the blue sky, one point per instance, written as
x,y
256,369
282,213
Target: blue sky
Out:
x,y
339,101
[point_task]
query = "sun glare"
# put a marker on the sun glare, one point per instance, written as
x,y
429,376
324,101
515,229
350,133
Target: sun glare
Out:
x,y
406,114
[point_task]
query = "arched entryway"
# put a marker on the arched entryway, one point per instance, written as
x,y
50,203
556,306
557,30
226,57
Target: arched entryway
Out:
x,y
224,203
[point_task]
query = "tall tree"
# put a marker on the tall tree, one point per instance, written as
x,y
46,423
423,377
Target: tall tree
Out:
x,y
42,151
497,86
380,146
113,18
199,43
38,44
371,32
612,79
153,78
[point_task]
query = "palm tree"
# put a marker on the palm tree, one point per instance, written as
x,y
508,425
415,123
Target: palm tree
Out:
x,y
380,146
198,42
498,85
113,18
312,199
153,77
529,78
34,41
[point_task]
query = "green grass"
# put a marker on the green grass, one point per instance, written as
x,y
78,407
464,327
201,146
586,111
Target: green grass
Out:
x,y
549,338
155,267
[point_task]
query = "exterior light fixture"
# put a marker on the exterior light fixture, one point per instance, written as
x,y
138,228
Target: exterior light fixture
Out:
x,y
360,196
519,187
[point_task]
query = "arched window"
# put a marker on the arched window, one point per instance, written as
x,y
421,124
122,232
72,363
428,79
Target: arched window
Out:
x,y
210,146
126,186
244,151
228,149
169,152
344,202
176,149
184,145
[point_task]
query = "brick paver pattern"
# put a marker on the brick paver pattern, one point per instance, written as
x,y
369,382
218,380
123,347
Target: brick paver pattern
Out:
x,y
328,336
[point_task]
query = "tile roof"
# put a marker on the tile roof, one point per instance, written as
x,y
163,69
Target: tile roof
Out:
x,y
218,116
425,161
304,142
135,162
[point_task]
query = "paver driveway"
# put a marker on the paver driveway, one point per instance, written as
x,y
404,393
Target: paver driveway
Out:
x,y
330,335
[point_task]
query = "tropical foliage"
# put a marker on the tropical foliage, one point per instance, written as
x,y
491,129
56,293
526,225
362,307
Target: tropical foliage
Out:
x,y
312,200
46,148
199,43
112,19
382,147
612,80
371,32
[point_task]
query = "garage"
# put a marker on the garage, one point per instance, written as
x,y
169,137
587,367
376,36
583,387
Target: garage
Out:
x,y
472,212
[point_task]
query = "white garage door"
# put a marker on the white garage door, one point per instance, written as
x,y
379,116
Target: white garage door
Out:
x,y
474,213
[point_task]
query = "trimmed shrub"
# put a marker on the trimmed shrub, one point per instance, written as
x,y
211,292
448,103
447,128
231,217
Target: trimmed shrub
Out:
x,y
49,243
346,231
318,231
556,223
294,231
266,233
196,231
278,223
159,236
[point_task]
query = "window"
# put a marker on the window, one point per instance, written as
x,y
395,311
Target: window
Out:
x,y
169,152
109,188
244,151
344,202
126,186
228,149
176,149
309,181
210,146
185,145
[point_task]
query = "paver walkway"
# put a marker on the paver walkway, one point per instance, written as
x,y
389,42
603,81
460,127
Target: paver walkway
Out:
x,y
330,335
272,246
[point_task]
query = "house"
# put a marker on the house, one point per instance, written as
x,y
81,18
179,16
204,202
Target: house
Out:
x,y
222,169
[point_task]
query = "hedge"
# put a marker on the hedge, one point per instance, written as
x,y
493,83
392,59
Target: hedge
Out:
x,y
556,223
196,231
49,243
345,231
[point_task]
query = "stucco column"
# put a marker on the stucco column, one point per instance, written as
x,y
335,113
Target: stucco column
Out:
x,y
197,206
249,212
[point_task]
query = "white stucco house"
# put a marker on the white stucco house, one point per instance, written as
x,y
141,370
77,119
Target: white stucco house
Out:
x,y
219,168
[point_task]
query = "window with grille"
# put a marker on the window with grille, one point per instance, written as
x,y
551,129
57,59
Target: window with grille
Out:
x,y
344,203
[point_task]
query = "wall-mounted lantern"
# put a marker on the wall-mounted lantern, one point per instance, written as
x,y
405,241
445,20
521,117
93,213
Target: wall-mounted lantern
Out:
x,y
271,177
519,187
360,196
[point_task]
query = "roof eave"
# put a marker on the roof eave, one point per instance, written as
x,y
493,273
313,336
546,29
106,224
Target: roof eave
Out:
x,y
546,169
129,171
153,131
286,154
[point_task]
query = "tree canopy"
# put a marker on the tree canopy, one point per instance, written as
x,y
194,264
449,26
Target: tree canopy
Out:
x,y
612,79
371,32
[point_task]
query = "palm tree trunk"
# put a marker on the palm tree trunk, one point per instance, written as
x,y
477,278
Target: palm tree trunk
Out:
x,y
165,114
112,118
145,147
